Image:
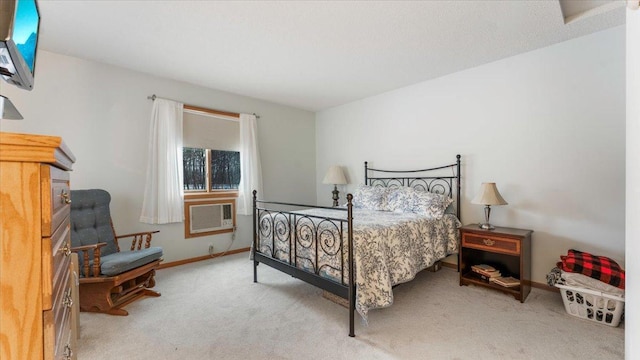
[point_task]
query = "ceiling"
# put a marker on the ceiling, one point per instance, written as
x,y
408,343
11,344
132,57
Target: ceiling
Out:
x,y
312,55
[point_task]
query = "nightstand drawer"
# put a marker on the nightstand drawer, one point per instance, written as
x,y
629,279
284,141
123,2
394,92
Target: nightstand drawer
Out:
x,y
491,243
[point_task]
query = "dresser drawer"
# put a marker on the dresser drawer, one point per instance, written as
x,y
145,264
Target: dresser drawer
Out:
x,y
57,321
56,198
66,347
491,243
56,261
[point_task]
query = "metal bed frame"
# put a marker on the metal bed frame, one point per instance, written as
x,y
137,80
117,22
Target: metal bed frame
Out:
x,y
443,185
272,218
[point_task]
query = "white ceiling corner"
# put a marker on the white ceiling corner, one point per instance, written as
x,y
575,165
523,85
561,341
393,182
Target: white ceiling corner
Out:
x,y
311,55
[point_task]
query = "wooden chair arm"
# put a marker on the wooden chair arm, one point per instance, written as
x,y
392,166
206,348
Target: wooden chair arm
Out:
x,y
88,247
136,243
95,248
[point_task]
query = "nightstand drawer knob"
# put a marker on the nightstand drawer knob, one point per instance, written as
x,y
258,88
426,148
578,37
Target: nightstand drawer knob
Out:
x,y
488,242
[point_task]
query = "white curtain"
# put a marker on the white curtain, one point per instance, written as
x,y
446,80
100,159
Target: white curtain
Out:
x,y
251,171
163,199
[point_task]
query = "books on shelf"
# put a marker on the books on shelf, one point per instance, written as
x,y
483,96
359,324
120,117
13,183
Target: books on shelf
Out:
x,y
483,267
508,281
493,275
485,271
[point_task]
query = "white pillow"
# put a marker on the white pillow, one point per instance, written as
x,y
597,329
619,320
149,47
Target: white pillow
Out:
x,y
400,199
370,197
431,205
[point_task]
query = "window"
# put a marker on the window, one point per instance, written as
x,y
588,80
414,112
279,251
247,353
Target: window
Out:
x,y
210,170
194,164
211,173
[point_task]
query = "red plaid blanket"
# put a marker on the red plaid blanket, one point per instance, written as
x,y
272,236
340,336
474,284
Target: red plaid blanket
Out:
x,y
598,267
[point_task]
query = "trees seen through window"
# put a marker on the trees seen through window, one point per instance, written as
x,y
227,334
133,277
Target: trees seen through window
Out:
x,y
210,170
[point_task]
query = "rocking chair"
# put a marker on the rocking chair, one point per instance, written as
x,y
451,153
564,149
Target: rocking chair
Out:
x,y
109,278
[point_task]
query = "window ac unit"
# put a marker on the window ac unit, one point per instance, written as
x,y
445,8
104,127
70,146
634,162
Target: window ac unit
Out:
x,y
210,217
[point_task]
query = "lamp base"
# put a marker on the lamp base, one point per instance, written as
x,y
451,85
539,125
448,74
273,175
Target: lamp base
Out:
x,y
487,214
335,193
486,226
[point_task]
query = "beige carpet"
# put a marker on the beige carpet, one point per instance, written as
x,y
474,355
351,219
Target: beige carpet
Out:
x,y
213,310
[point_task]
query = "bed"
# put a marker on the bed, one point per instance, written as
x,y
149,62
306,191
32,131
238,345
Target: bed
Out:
x,y
390,239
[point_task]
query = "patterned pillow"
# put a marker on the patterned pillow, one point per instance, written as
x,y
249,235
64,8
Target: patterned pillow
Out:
x,y
370,197
431,205
400,199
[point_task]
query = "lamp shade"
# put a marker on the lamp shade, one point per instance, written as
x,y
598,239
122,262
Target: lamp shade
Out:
x,y
334,176
489,195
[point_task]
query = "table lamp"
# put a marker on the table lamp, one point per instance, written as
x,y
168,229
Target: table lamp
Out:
x,y
488,196
336,177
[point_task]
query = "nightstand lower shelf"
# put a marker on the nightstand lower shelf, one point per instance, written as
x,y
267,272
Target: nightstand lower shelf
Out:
x,y
471,278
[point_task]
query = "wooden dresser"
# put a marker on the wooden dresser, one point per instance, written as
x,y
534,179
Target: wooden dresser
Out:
x,y
35,279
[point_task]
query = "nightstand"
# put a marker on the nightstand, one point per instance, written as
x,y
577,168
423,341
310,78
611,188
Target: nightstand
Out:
x,y
506,249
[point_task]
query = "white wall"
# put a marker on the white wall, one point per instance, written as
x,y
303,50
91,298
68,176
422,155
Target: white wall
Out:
x,y
547,126
102,113
632,315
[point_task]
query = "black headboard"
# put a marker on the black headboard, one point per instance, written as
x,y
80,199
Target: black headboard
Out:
x,y
435,180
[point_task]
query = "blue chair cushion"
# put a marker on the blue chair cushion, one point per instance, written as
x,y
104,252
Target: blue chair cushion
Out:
x,y
91,220
117,263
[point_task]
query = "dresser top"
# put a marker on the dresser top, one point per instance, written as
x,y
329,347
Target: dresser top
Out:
x,y
35,148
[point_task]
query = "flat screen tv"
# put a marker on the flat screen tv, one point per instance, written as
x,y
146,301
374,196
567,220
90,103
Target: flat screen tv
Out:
x,y
19,23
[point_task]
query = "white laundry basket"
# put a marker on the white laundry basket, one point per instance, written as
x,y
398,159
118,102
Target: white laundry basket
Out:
x,y
592,305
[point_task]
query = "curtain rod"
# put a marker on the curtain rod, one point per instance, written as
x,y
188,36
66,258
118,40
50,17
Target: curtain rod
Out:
x,y
206,110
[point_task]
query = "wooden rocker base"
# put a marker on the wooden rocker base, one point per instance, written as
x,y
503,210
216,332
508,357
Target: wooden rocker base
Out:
x,y
108,295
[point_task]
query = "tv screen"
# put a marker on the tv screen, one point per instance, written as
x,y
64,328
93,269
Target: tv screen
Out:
x,y
20,21
25,31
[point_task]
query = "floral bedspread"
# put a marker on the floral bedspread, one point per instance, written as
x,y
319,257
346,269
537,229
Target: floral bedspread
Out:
x,y
390,248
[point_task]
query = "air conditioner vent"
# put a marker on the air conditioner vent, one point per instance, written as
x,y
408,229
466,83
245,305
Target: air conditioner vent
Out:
x,y
210,217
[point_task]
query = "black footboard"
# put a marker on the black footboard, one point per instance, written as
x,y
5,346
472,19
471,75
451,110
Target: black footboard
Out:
x,y
314,248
